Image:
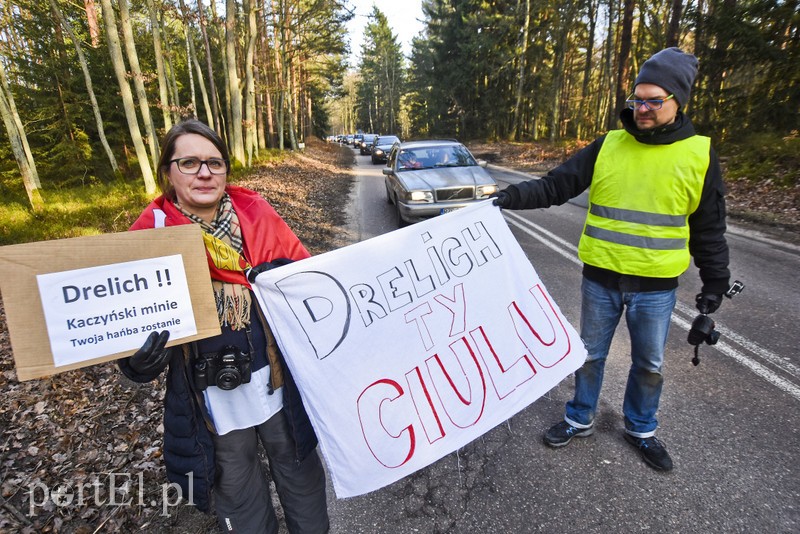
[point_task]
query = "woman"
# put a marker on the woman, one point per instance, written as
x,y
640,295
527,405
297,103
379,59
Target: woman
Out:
x,y
226,393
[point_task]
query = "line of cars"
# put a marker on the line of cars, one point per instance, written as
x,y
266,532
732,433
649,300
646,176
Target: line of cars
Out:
x,y
370,144
427,178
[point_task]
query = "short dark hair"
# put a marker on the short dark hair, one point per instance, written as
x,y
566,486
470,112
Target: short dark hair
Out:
x,y
189,126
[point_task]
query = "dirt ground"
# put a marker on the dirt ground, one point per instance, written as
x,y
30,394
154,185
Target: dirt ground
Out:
x,y
92,430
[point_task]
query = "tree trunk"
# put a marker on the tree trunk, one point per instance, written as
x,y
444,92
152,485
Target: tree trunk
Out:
x,y
586,120
175,109
271,133
192,91
270,126
294,83
12,106
115,50
516,129
138,79
163,92
98,119
91,21
309,117
558,68
277,13
18,141
251,137
262,139
587,67
623,67
674,30
209,65
225,114
235,103
203,91
288,86
606,101
198,69
289,90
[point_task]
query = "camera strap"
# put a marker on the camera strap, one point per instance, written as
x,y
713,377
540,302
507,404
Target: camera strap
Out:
x,y
249,334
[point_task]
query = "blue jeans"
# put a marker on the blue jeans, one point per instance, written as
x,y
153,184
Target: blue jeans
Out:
x,y
647,315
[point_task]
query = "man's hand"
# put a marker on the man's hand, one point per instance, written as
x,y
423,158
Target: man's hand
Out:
x,y
508,198
501,199
153,357
266,266
707,302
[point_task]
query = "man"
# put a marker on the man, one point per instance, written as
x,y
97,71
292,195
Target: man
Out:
x,y
656,197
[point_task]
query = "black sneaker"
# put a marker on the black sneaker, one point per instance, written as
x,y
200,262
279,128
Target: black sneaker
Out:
x,y
562,433
654,453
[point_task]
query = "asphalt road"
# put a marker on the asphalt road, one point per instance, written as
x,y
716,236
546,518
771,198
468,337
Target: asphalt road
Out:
x,y
730,424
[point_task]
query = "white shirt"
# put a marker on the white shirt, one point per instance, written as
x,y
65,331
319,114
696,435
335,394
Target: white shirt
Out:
x,y
245,406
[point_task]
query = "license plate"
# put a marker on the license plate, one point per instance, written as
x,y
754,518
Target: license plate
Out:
x,y
447,210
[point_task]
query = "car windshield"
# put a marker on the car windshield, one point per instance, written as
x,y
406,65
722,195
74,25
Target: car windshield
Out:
x,y
433,157
387,140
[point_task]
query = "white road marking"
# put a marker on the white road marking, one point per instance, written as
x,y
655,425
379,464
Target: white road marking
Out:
x,y
519,221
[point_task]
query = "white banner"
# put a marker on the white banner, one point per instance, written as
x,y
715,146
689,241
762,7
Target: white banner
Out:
x,y
410,345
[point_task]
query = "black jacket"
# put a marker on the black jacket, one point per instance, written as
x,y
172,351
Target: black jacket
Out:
x,y
707,243
188,429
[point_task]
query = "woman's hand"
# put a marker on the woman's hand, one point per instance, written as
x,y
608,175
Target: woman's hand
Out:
x,y
153,357
266,266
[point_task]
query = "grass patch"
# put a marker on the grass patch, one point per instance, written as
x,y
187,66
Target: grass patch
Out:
x,y
72,212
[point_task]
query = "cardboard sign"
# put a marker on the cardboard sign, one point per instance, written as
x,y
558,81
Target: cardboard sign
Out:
x,y
445,332
76,302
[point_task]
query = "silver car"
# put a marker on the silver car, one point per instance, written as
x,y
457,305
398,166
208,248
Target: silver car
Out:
x,y
428,178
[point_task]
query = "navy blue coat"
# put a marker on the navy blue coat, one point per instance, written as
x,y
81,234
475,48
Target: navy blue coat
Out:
x,y
188,429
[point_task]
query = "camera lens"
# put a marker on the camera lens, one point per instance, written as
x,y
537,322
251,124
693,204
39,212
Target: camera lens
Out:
x,y
228,379
713,337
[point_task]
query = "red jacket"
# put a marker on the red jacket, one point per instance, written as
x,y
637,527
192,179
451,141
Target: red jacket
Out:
x,y
266,236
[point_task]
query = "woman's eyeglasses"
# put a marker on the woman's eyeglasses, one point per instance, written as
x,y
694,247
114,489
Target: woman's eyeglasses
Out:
x,y
192,165
652,104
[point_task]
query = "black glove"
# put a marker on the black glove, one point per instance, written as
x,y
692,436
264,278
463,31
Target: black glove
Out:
x,y
501,199
708,302
266,266
153,357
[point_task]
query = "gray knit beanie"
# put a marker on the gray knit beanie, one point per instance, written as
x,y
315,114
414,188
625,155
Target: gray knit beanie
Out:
x,y
671,69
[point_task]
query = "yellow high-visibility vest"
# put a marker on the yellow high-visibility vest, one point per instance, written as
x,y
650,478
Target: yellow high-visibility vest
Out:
x,y
639,205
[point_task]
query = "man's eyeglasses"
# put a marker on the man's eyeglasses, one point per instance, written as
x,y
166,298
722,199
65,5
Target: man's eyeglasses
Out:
x,y
193,165
653,104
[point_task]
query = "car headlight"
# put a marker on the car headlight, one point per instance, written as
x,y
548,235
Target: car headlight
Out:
x,y
483,191
377,151
419,196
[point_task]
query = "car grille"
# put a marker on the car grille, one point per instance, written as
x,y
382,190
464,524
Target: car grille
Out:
x,y
455,193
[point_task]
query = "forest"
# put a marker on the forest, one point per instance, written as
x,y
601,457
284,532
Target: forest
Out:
x,y
87,87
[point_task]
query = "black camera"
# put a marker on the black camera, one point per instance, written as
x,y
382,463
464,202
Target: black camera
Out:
x,y
703,331
703,327
226,369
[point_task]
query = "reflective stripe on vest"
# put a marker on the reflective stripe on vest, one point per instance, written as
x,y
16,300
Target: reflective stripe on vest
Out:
x,y
640,200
